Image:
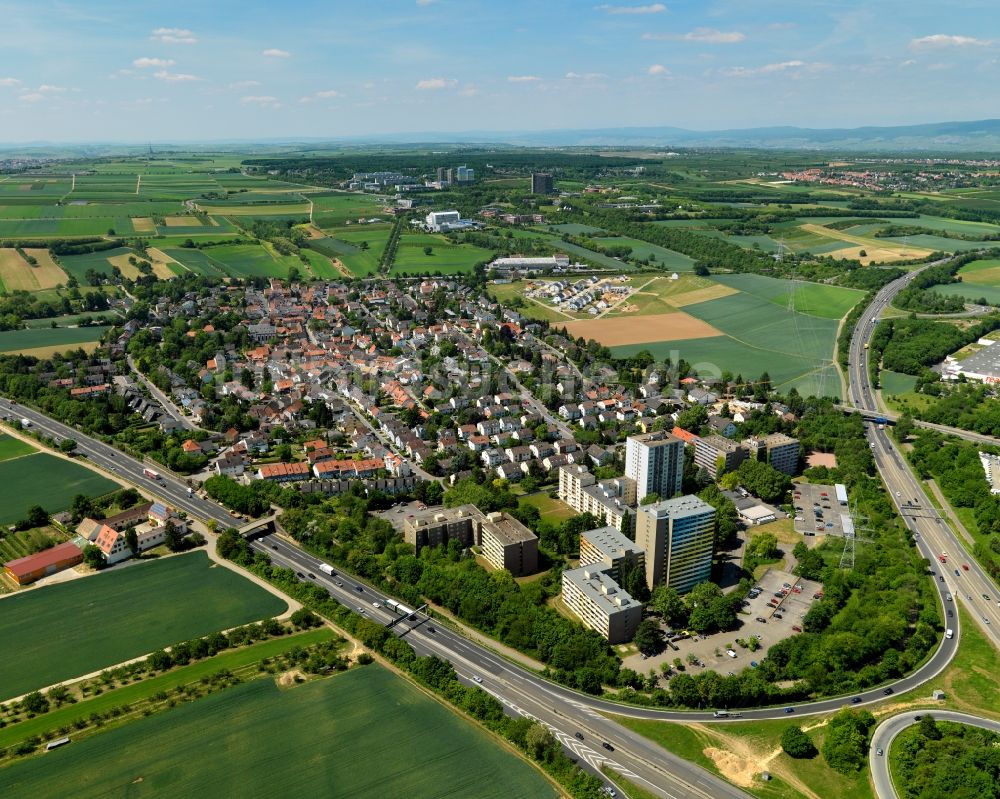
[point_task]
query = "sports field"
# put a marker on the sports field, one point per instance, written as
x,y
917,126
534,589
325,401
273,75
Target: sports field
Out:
x,y
70,629
362,733
43,479
445,257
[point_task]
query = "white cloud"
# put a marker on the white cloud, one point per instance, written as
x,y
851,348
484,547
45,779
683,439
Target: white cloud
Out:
x,y
939,40
794,67
654,8
326,93
174,77
45,87
909,62
244,84
143,63
522,78
173,36
264,100
274,52
32,97
424,2
702,35
9,82
584,75
658,69
436,83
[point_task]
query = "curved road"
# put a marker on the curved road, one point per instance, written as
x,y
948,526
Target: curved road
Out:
x,y
892,726
565,711
959,574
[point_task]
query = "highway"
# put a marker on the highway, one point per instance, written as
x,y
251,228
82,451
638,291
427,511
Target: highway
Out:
x,y
522,692
959,575
117,463
892,726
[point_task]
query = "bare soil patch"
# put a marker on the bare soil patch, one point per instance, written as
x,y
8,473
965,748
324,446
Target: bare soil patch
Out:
x,y
127,270
48,352
616,331
159,260
143,224
16,273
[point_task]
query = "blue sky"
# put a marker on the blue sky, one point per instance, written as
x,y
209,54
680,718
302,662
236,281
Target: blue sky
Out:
x,y
218,69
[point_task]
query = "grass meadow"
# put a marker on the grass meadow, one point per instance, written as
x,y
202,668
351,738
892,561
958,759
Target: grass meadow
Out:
x,y
43,479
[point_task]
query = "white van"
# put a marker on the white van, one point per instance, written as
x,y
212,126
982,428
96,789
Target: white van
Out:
x,y
949,633
948,597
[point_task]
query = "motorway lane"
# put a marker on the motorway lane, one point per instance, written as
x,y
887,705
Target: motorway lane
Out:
x,y
934,535
892,726
168,488
520,691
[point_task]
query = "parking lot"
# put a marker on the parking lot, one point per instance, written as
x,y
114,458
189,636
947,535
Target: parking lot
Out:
x,y
817,511
768,623
398,513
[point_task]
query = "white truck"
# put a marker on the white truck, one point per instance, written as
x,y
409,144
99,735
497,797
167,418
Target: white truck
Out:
x,y
26,423
326,569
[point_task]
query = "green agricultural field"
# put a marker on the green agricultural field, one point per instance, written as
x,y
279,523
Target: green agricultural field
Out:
x,y
344,243
77,265
198,261
67,337
665,259
334,209
814,299
73,628
320,265
251,260
11,447
574,250
305,741
48,228
43,479
573,228
71,319
445,257
795,349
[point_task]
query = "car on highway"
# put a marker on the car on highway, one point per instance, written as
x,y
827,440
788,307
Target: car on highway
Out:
x,y
430,629
856,700
608,746
965,567
477,678
360,609
340,584
274,546
796,628
887,691
985,620
958,573
879,752
312,576
359,589
300,575
789,709
376,605
951,613
986,597
578,736
762,620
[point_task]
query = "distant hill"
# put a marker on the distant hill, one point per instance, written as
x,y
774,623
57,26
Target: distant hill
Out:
x,y
977,136
981,136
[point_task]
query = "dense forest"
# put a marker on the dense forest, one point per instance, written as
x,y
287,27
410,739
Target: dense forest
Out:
x,y
941,759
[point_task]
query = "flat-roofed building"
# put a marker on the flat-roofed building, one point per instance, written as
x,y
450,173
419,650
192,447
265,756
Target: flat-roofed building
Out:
x,y
594,597
508,544
609,500
436,527
656,462
677,536
713,453
777,449
609,548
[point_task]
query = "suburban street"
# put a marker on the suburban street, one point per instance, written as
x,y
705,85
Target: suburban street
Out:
x,y
961,575
891,727
169,408
564,710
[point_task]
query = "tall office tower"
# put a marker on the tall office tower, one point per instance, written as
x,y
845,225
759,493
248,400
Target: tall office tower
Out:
x,y
541,183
